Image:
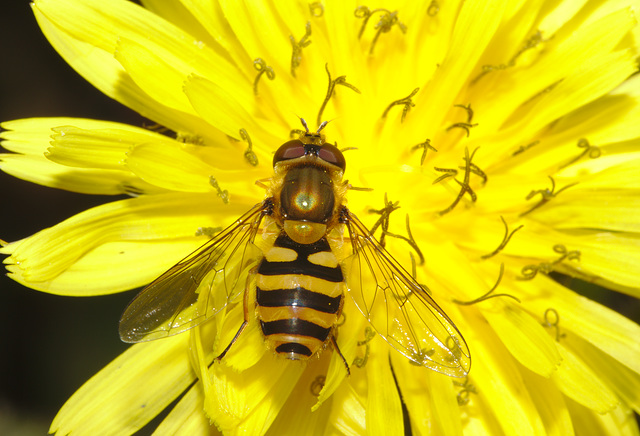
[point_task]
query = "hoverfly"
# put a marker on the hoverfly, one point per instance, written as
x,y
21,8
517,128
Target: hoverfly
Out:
x,y
299,281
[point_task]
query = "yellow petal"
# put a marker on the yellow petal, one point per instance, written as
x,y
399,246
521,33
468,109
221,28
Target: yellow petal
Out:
x,y
156,73
612,256
550,405
606,329
73,29
348,412
474,27
210,16
187,417
350,347
593,205
559,14
446,410
576,379
32,137
588,43
130,391
244,353
260,31
229,117
525,338
296,416
384,410
97,148
497,377
169,167
418,392
617,377
248,402
40,170
111,267
178,14
589,423
50,252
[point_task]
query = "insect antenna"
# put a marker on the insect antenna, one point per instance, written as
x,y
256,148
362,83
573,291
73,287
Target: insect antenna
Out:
x,y
304,124
322,126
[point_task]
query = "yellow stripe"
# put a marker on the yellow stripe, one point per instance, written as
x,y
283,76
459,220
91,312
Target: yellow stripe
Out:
x,y
323,258
292,281
280,254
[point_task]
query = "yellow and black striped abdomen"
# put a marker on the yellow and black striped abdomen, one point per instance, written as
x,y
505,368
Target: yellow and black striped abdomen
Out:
x,y
299,290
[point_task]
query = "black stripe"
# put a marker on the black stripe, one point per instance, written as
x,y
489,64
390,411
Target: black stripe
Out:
x,y
292,347
299,297
295,326
301,265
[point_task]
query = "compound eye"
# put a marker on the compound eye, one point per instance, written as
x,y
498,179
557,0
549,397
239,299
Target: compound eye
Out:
x,y
289,150
329,153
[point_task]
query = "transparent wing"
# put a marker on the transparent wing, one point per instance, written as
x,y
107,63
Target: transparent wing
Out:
x,y
400,309
198,286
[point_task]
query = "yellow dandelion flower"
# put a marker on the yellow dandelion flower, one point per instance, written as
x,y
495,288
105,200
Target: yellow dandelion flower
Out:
x,y
504,132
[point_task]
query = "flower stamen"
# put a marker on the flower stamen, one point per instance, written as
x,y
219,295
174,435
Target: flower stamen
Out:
x,y
369,334
433,9
531,42
209,232
524,148
545,194
475,169
505,239
488,295
542,92
530,271
383,221
131,190
249,154
261,66
465,392
448,172
158,128
466,125
341,80
317,385
553,323
408,239
465,187
406,101
316,9
387,20
418,359
454,346
296,55
468,109
223,194
426,145
188,138
592,151
415,276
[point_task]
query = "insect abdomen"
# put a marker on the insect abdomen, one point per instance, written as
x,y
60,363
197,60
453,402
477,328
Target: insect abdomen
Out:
x,y
299,291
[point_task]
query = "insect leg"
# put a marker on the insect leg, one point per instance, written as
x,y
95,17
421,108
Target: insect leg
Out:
x,y
335,346
246,315
263,183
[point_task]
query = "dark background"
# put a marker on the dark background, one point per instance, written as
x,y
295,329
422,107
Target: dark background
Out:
x,y
50,345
